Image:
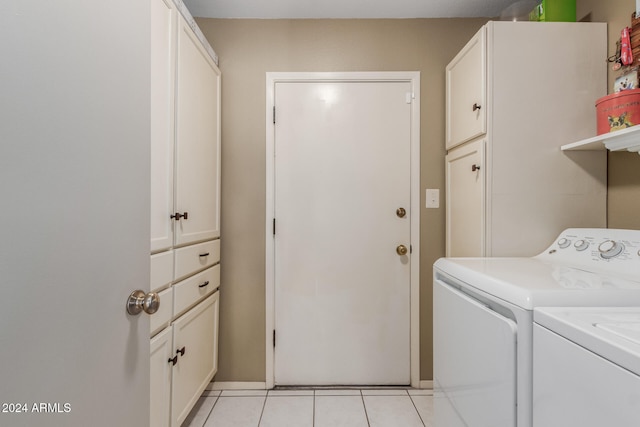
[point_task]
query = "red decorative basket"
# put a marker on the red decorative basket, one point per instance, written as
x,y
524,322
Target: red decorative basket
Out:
x,y
618,111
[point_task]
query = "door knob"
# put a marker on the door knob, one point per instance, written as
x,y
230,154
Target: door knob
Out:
x,y
402,250
139,301
401,212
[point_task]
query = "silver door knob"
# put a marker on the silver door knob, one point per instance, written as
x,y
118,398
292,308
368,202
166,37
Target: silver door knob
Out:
x,y
402,250
139,301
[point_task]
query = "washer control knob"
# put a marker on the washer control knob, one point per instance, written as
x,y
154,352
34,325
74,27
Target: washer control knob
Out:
x,y
564,243
581,245
610,249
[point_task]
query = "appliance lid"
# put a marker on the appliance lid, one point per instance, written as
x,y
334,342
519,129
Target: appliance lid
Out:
x,y
535,282
611,332
582,267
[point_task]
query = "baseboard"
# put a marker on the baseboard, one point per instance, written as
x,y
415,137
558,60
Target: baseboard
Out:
x,y
240,385
426,384
236,385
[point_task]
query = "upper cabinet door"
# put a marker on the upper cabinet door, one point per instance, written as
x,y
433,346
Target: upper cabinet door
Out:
x,y
163,48
466,92
197,181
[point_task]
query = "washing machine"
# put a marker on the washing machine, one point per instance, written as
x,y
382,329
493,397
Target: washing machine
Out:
x,y
586,367
483,319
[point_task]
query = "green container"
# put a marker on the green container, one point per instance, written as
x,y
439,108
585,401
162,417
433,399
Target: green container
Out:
x,y
554,11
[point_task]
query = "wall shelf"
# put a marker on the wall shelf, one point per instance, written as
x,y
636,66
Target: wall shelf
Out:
x,y
626,139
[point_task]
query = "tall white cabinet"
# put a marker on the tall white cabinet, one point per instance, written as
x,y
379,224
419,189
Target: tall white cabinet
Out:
x,y
514,94
185,214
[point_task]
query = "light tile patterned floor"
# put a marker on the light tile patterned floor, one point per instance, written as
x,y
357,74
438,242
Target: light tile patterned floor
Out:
x,y
313,408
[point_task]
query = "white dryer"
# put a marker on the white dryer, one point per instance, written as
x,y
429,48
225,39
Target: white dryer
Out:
x,y
586,367
483,319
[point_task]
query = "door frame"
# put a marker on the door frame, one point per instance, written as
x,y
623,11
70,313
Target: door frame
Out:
x,y
272,78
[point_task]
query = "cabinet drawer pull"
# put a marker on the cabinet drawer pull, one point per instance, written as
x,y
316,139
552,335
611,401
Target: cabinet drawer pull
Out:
x,y
475,168
203,255
173,360
181,351
204,284
178,215
476,106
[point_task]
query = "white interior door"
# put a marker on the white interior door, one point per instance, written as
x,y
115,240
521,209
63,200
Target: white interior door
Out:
x,y
75,182
342,292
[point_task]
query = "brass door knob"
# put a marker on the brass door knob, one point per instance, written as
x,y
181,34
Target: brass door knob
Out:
x,y
402,250
401,212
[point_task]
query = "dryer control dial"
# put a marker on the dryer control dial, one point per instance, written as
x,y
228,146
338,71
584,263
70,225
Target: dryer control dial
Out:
x,y
610,249
581,245
564,243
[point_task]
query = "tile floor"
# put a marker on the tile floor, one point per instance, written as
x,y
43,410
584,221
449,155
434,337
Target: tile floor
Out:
x,y
313,408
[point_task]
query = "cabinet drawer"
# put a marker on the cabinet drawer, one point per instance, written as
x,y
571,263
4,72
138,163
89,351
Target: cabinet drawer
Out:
x,y
193,258
191,290
162,317
161,270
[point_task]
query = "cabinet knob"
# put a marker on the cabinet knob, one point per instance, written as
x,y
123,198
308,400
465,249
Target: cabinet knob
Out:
x,y
173,360
181,351
476,106
475,168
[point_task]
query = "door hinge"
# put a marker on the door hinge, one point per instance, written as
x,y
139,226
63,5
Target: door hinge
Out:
x,y
274,226
409,97
274,338
274,114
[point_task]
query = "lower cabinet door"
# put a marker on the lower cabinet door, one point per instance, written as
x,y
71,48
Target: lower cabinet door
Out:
x,y
466,199
195,342
161,368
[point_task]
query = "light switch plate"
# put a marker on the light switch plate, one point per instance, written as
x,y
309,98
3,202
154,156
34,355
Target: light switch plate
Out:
x,y
433,198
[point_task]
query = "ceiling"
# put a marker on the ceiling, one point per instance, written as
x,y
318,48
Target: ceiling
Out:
x,y
274,9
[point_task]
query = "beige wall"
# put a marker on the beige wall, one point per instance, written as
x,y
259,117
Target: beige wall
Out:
x,y
250,48
624,168
247,50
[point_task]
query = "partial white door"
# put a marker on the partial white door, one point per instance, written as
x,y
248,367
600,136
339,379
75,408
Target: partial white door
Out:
x,y
342,290
466,200
75,188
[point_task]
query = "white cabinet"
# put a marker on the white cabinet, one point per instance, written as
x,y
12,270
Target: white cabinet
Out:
x,y
465,199
197,141
197,356
466,92
163,46
510,189
185,131
185,213
184,358
161,370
